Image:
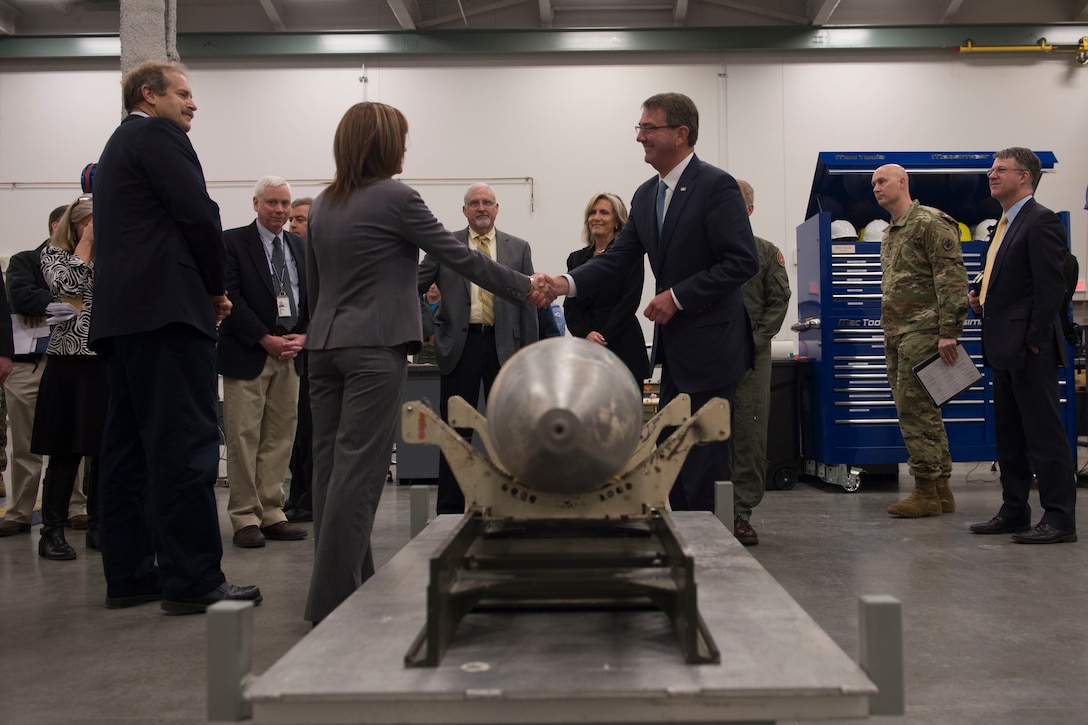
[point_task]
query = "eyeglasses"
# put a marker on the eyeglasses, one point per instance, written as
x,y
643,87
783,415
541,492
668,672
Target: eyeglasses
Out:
x,y
650,128
477,203
1002,170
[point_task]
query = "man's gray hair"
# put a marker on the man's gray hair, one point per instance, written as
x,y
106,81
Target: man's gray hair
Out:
x,y
269,182
474,187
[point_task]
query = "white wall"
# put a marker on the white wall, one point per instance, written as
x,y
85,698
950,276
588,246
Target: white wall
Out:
x,y
552,131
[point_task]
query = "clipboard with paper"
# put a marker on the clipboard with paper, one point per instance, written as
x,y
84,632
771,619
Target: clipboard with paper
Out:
x,y
944,382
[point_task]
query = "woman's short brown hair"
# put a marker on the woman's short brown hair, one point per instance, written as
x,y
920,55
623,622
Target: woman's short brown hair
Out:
x,y
369,145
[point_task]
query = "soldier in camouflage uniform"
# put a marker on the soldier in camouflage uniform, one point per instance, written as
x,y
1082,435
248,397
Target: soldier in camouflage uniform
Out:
x,y
766,298
922,312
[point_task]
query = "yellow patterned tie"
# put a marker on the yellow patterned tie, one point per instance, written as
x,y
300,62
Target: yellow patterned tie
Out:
x,y
994,245
487,300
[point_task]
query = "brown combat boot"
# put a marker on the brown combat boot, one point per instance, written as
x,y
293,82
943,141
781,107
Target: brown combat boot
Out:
x,y
922,501
944,493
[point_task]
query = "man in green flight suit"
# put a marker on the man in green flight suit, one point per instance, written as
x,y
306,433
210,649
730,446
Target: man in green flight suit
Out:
x,y
922,309
766,298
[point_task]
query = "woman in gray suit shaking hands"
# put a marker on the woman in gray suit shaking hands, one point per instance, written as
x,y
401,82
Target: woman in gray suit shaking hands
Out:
x,y
365,233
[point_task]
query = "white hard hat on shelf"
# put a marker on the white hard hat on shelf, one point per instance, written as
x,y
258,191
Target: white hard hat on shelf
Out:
x,y
842,229
874,231
982,229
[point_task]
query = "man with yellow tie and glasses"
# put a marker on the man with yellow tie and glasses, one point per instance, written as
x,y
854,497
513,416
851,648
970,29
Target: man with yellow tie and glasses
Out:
x,y
1019,300
475,333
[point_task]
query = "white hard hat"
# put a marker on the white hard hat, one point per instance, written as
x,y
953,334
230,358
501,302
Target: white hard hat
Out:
x,y
982,229
874,231
842,229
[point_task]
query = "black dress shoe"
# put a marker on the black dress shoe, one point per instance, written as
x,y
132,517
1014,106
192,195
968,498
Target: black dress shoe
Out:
x,y
93,541
224,592
1001,525
149,592
1045,534
54,546
299,516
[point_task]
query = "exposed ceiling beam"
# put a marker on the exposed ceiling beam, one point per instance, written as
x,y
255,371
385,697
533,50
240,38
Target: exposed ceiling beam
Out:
x,y
1080,10
273,14
823,14
7,19
82,49
755,10
680,14
406,12
952,9
546,13
465,14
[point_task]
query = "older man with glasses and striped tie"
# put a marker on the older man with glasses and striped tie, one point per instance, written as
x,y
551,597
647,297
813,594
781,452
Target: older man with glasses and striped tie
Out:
x,y
475,333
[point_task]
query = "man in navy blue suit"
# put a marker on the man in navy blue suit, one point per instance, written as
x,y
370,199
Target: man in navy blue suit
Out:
x,y
160,291
692,222
1020,302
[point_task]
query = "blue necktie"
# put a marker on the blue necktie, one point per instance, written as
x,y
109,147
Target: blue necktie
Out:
x,y
661,189
281,280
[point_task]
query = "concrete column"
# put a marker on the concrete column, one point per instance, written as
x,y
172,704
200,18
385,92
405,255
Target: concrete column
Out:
x,y
149,30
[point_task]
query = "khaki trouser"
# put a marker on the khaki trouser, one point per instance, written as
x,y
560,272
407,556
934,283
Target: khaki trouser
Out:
x,y
260,416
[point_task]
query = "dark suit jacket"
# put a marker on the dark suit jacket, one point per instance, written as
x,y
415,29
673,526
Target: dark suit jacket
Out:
x,y
705,254
158,240
250,288
515,322
1024,297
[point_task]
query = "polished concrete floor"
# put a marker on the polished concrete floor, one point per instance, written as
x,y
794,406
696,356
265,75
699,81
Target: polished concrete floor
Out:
x,y
995,632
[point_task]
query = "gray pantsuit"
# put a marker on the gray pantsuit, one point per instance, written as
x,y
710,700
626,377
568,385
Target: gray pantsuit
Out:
x,y
354,395
364,321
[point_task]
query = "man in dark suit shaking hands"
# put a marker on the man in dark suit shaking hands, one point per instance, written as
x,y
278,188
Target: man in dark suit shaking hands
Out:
x,y
160,281
1020,301
258,348
691,220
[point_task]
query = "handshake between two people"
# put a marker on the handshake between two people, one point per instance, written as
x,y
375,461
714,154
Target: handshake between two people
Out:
x,y
545,289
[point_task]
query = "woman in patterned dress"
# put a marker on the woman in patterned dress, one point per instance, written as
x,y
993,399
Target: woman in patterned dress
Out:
x,y
72,397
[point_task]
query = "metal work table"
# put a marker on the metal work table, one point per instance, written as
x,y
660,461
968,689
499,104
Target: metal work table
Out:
x,y
567,666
